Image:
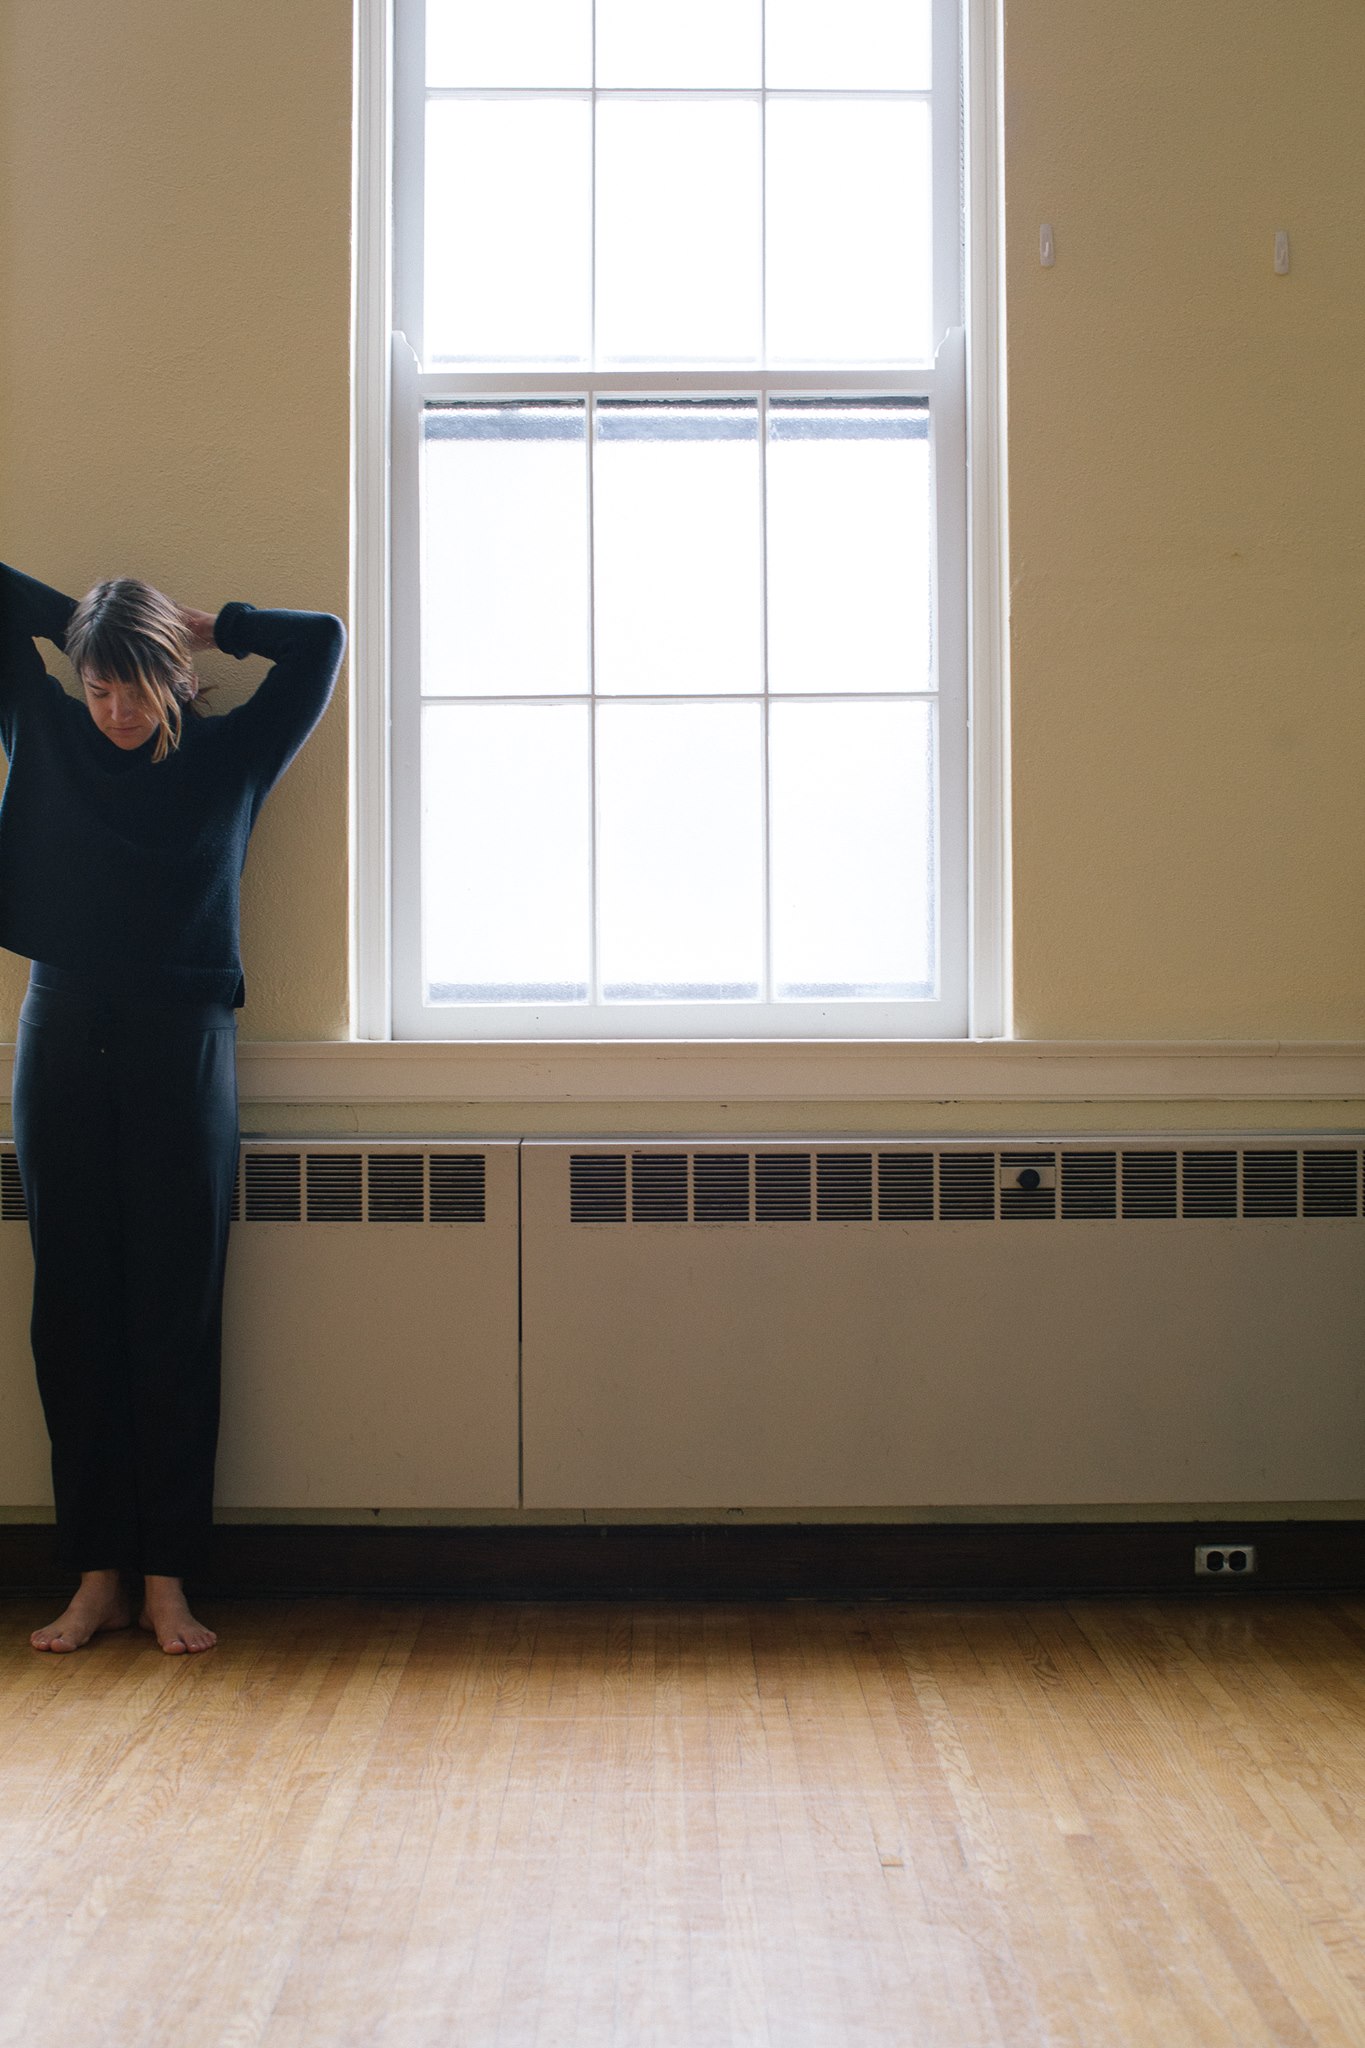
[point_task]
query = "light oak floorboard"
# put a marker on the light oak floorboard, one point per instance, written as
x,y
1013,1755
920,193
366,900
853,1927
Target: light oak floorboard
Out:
x,y
603,1825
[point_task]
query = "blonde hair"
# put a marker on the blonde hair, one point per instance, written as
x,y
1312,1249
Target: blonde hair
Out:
x,y
124,631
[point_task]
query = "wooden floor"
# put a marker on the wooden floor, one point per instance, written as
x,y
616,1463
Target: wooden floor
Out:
x,y
1097,1823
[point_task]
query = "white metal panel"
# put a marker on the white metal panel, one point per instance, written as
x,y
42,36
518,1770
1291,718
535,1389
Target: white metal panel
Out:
x,y
25,1470
365,1364
374,1364
859,1364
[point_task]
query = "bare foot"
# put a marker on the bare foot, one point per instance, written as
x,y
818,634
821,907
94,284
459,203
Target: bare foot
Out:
x,y
100,1602
167,1615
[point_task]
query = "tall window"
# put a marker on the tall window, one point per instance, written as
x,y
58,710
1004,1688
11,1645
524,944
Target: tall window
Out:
x,y
679,731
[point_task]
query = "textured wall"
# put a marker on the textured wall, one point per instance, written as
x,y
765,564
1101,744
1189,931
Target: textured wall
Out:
x,y
1187,440
174,361
1187,443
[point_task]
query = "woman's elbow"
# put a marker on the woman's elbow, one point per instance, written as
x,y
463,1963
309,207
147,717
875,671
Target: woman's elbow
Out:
x,y
331,637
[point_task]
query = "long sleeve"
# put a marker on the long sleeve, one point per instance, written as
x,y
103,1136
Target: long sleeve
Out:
x,y
28,609
305,649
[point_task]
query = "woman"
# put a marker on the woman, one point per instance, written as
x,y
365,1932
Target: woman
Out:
x,y
123,831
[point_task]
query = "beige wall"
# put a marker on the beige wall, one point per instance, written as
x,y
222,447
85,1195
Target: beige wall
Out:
x,y
174,366
1187,443
1187,449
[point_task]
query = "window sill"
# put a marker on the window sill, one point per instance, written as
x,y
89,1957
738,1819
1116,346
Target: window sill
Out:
x,y
784,1070
847,1071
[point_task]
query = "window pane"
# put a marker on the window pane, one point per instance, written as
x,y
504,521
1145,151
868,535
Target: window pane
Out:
x,y
508,186
849,545
504,512
512,42
679,854
677,526
679,43
505,853
678,231
854,887
850,272
836,43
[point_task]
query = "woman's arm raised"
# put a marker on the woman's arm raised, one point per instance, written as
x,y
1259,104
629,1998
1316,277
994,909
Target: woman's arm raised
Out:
x,y
305,649
28,610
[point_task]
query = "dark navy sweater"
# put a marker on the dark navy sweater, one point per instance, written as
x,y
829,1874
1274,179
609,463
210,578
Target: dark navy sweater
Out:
x,y
121,872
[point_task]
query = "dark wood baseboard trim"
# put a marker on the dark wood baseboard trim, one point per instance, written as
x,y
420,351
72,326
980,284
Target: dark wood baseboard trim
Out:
x,y
693,1561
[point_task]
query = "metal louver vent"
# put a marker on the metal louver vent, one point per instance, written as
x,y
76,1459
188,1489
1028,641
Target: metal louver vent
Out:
x,y
1210,1184
966,1186
1089,1185
395,1187
782,1187
457,1187
1270,1183
597,1187
905,1187
843,1186
1028,1199
272,1187
13,1202
1331,1184
327,1184
333,1180
1148,1184
658,1187
720,1187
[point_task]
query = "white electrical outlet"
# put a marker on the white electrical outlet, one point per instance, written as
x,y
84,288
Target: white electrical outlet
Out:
x,y
1224,1560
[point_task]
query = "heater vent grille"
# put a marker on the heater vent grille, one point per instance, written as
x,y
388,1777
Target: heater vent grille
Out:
x,y
792,1184
1270,1183
1148,1184
720,1183
905,1186
357,1185
924,1184
458,1186
13,1207
844,1186
1090,1185
1331,1184
782,1187
273,1183
395,1190
597,1187
966,1186
334,1187
658,1187
1209,1184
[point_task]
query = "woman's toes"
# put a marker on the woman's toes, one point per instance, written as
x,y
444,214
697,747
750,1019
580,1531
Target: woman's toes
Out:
x,y
184,1638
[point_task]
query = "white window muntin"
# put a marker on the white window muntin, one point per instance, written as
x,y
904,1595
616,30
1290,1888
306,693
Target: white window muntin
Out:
x,y
940,385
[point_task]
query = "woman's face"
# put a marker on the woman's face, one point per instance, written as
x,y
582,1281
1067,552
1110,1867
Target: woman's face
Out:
x,y
118,711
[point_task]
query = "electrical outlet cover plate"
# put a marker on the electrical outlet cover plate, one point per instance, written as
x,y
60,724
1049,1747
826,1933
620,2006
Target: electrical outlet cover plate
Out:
x,y
1224,1560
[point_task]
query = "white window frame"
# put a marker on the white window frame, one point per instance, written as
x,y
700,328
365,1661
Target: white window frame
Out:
x,y
968,413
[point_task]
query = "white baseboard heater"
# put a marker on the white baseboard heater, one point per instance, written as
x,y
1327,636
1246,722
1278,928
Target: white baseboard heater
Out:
x,y
670,1325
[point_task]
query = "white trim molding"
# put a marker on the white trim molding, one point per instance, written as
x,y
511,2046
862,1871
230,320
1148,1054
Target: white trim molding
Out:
x,y
782,1071
967,411
372,321
739,1071
989,922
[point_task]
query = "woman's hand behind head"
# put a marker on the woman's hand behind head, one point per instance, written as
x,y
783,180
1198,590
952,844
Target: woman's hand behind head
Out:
x,y
199,626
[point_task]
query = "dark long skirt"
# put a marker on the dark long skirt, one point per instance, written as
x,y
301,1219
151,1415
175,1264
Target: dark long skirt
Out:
x,y
125,1125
